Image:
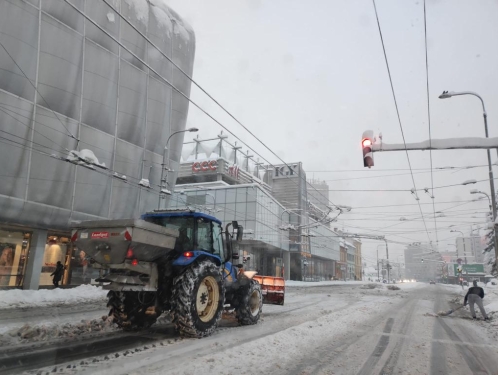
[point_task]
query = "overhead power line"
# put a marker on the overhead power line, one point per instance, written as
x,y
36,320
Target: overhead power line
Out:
x,y
397,109
429,117
180,92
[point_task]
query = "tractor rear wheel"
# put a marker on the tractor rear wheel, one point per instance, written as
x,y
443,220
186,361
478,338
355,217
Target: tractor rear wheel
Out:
x,y
132,310
198,299
250,304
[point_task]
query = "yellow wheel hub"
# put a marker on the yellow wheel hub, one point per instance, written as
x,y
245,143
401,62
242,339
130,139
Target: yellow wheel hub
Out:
x,y
207,299
254,303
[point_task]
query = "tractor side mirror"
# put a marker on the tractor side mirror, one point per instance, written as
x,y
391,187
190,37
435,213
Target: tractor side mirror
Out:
x,y
240,233
228,244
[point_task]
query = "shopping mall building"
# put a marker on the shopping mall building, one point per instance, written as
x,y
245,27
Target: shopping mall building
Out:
x,y
283,215
83,124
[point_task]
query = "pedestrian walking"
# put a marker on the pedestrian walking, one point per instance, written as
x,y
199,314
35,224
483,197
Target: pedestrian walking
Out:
x,y
475,295
57,274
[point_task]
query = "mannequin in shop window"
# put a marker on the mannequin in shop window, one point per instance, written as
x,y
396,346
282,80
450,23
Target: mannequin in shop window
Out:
x,y
6,262
84,265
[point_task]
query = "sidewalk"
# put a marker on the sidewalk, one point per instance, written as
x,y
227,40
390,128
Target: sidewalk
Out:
x,y
17,298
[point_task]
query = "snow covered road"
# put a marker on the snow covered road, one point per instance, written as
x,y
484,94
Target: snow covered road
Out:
x,y
340,329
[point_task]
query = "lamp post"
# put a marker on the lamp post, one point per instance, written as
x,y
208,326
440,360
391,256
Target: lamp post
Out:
x,y
281,219
164,178
475,191
387,255
463,239
378,270
446,95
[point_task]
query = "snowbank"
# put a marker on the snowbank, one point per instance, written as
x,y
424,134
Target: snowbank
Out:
x,y
404,286
311,284
11,299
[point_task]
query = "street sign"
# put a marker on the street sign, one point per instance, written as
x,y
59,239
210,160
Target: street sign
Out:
x,y
467,269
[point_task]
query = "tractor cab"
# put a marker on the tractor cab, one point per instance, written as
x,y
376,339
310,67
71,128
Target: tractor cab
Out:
x,y
196,231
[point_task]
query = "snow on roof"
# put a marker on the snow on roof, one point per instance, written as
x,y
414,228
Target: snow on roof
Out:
x,y
141,9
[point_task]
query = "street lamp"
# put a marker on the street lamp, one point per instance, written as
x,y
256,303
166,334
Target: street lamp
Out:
x,y
163,185
475,191
281,234
463,239
446,95
378,270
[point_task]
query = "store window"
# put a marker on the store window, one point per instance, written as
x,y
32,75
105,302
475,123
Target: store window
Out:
x,y
14,247
57,249
79,268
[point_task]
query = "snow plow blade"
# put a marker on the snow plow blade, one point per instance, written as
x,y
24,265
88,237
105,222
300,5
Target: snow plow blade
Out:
x,y
272,288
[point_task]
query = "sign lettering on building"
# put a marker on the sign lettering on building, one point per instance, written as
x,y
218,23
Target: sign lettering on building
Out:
x,y
234,171
285,171
204,166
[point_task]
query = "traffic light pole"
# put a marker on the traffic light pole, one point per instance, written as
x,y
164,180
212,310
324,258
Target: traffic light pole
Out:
x,y
369,146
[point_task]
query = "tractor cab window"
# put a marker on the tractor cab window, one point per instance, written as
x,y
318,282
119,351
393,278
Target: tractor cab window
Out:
x,y
184,226
204,238
218,240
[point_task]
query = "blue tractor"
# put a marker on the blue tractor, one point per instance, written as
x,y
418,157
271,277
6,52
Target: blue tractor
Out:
x,y
176,261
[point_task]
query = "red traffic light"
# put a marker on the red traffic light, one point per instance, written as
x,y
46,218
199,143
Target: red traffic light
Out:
x,y
366,142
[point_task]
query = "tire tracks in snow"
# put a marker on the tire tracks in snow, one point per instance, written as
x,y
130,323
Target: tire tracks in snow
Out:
x,y
393,359
29,357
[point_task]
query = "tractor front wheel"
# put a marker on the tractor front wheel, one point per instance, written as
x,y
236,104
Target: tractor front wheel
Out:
x,y
250,304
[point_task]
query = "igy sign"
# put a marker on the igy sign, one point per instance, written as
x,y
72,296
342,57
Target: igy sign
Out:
x,y
286,171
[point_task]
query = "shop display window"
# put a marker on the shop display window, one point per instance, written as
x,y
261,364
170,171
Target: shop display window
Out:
x,y
80,268
55,250
14,247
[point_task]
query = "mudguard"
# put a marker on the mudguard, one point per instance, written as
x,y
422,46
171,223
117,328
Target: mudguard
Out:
x,y
229,272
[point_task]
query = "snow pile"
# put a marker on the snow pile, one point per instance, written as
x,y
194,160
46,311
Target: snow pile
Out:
x,y
84,157
110,17
168,18
50,332
141,9
311,284
16,298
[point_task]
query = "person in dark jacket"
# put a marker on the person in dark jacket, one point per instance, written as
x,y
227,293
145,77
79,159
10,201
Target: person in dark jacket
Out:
x,y
57,274
475,295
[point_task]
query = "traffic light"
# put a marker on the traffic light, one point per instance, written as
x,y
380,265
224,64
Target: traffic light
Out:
x,y
422,260
366,145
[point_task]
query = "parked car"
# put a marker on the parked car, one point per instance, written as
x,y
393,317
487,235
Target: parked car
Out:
x,y
432,282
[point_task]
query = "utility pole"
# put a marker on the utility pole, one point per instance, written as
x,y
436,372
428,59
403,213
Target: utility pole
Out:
x,y
387,254
378,274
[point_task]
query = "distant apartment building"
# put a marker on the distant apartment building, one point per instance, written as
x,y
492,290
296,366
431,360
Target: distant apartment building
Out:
x,y
470,249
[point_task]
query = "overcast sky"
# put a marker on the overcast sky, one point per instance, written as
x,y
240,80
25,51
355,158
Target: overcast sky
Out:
x,y
308,77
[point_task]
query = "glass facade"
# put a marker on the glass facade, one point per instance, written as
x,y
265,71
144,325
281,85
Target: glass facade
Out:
x,y
260,214
91,95
265,245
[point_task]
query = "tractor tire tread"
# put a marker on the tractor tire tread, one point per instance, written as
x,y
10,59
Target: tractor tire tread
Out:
x,y
243,310
183,302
